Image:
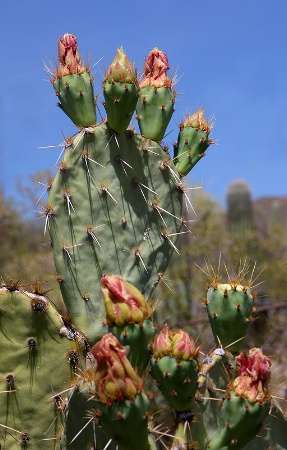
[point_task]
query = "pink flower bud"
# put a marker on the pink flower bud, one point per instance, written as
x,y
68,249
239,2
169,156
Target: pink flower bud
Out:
x,y
255,373
114,379
175,343
68,57
162,343
155,68
183,346
124,303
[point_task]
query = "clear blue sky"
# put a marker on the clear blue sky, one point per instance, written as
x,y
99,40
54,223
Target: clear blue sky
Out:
x,y
231,56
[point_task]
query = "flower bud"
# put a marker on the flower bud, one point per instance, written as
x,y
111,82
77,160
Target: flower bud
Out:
x,y
255,373
121,69
175,343
197,121
115,379
124,303
69,57
155,68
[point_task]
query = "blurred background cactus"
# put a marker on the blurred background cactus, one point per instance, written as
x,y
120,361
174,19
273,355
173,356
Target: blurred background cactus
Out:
x,y
114,361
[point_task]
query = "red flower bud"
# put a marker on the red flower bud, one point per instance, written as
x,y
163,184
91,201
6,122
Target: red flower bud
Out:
x,y
114,379
124,303
155,68
255,373
68,57
175,343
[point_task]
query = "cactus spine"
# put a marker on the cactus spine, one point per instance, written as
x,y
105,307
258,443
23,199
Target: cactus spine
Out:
x,y
114,213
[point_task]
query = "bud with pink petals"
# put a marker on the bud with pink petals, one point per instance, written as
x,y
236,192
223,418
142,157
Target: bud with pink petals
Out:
x,y
124,302
73,84
115,379
128,317
156,100
174,366
247,402
118,395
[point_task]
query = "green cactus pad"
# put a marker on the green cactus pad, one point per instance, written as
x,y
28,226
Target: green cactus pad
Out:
x,y
238,423
190,148
120,103
137,337
229,309
273,433
126,422
81,430
154,109
177,380
111,208
76,96
34,369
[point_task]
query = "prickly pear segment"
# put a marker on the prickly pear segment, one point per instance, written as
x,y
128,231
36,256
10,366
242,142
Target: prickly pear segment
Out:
x,y
230,309
155,105
174,367
117,390
247,403
73,83
120,88
193,140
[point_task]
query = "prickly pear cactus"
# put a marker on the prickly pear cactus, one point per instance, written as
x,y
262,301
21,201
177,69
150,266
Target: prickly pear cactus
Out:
x,y
39,356
114,213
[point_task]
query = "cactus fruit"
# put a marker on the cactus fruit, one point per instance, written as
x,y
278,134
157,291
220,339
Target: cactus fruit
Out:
x,y
129,319
247,403
120,88
73,84
117,393
174,367
156,100
230,308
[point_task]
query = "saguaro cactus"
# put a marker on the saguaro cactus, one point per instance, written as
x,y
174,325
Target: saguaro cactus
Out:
x,y
114,213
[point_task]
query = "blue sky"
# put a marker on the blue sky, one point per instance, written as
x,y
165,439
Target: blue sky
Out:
x,y
230,56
